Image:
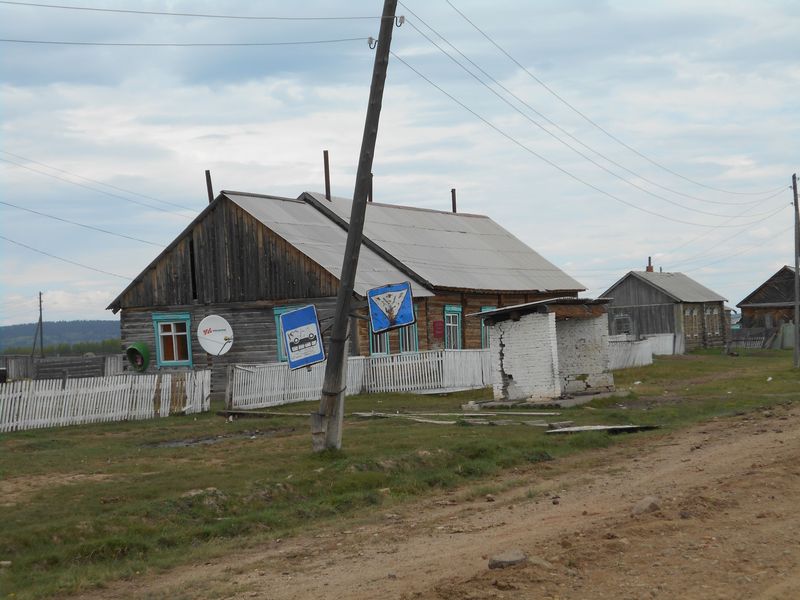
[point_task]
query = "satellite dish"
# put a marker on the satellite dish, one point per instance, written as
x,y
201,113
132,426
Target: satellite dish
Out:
x,y
215,335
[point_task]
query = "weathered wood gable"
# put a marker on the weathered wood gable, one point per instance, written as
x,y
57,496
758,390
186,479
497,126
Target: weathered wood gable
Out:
x,y
633,291
778,290
227,255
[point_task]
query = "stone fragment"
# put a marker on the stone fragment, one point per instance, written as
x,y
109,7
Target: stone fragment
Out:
x,y
507,559
646,505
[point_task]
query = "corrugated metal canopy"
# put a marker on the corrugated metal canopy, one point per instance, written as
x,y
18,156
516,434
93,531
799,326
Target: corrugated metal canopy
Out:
x,y
681,287
321,239
460,251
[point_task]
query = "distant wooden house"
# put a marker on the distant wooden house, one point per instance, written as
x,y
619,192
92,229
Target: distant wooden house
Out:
x,y
645,303
770,304
250,257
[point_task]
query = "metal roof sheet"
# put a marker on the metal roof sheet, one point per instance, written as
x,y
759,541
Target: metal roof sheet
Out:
x,y
322,240
456,250
681,287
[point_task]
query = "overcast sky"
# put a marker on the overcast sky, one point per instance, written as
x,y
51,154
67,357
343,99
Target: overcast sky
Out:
x,y
706,96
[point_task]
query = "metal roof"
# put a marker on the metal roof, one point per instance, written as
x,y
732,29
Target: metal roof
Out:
x,y
681,287
455,250
529,307
321,239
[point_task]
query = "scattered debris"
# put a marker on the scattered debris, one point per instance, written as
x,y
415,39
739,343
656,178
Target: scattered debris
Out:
x,y
507,559
559,424
608,428
489,497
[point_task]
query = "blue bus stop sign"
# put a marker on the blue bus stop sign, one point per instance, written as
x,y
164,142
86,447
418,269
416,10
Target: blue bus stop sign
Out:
x,y
302,338
390,307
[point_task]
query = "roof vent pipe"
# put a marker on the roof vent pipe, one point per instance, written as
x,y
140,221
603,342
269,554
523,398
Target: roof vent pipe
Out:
x,y
209,188
327,175
453,196
649,265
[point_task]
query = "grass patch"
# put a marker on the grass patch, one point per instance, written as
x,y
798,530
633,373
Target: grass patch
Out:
x,y
86,505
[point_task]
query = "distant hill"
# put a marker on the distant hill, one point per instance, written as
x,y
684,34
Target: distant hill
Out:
x,y
58,332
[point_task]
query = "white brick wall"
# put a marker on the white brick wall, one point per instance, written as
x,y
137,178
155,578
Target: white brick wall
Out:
x,y
525,358
583,355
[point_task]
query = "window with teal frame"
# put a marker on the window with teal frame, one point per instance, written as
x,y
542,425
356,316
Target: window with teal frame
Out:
x,y
281,349
409,336
452,327
378,342
173,339
484,329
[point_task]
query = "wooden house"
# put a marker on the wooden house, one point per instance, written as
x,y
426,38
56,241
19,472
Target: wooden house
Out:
x,y
648,303
250,257
770,304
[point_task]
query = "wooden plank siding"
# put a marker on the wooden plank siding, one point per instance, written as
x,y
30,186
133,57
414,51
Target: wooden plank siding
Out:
x,y
237,259
651,311
254,332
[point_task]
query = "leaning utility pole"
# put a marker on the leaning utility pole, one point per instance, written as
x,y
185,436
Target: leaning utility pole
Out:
x,y
39,332
796,275
326,425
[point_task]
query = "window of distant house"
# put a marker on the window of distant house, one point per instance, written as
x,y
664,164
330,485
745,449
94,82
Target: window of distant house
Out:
x,y
173,339
452,327
378,342
484,328
695,323
281,348
717,322
409,336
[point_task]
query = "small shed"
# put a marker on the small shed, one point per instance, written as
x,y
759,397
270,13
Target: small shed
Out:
x,y
648,303
549,348
772,303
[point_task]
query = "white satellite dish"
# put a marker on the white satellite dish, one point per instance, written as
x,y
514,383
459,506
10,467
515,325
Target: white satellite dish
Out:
x,y
215,335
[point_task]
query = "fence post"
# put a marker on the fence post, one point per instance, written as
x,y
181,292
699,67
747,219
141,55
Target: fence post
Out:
x,y
229,387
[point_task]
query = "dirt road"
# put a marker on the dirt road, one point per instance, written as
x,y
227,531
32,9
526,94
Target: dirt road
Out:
x,y
727,525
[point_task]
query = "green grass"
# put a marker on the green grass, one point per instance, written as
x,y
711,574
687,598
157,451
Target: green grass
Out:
x,y
103,502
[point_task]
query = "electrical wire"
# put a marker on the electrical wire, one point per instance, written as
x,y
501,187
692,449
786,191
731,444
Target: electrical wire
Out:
x,y
88,187
553,164
728,257
182,45
101,230
194,15
558,127
97,181
66,260
595,124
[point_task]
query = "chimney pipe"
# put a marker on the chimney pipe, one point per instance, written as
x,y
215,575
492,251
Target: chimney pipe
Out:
x,y
209,187
327,175
369,191
649,264
453,196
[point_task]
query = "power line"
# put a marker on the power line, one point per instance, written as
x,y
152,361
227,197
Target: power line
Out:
x,y
88,187
595,124
558,127
97,181
183,45
702,235
743,251
66,260
195,15
553,164
122,235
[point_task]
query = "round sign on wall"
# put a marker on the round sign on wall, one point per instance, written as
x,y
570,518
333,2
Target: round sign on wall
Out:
x,y
215,335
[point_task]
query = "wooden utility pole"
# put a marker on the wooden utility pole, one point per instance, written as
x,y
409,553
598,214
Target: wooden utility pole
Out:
x,y
326,425
796,275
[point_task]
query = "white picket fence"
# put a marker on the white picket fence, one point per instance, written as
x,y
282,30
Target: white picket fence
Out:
x,y
260,386
54,403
